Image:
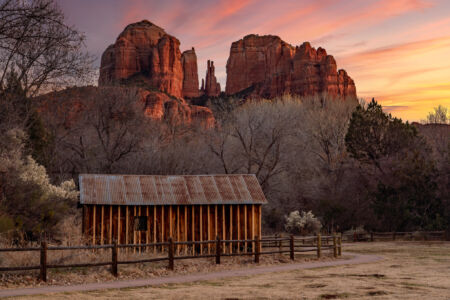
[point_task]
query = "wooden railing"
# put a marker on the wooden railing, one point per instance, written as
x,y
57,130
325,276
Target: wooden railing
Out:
x,y
392,236
289,245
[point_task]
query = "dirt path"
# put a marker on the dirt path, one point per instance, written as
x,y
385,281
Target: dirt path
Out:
x,y
355,259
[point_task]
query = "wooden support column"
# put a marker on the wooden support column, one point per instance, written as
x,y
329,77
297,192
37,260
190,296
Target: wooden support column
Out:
x,y
223,228
216,232
154,227
147,233
259,225
162,224
94,223
231,227
193,228
209,229
178,229
127,217
185,227
139,240
102,227
110,232
253,227
201,229
134,229
245,226
119,225
170,222
238,227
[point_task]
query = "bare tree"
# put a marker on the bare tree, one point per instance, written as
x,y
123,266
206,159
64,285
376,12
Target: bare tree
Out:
x,y
38,46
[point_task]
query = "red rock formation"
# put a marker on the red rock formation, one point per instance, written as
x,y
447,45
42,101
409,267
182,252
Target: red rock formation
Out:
x,y
159,106
146,49
210,86
269,67
190,73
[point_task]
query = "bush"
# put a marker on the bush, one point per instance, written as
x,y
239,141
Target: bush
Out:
x,y
303,223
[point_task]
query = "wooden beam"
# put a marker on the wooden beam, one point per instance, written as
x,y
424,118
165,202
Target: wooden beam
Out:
x,y
201,229
119,225
102,224
94,224
253,227
170,222
208,224
216,232
245,226
139,232
231,227
223,227
238,227
134,229
162,223
178,229
185,227
193,228
259,226
110,224
127,216
154,227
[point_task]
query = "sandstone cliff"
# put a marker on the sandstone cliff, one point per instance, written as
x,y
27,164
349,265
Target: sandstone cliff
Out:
x,y
144,49
210,86
267,66
190,74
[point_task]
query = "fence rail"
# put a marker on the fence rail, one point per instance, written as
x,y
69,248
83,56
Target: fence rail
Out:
x,y
316,245
395,235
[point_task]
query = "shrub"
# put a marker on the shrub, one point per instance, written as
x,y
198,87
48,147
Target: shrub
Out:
x,y
303,223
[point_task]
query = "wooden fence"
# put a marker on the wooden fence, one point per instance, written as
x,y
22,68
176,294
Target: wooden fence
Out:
x,y
393,236
289,245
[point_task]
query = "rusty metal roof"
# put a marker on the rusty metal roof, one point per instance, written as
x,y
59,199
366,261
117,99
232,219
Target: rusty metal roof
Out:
x,y
170,190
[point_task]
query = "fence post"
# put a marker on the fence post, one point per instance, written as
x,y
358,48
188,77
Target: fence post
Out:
x,y
114,259
43,262
340,244
218,250
257,249
171,248
319,245
292,247
371,236
280,242
335,247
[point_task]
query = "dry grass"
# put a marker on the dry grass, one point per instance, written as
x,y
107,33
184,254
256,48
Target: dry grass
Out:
x,y
410,270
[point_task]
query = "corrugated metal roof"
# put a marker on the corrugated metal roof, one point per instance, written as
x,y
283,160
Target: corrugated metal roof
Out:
x,y
170,190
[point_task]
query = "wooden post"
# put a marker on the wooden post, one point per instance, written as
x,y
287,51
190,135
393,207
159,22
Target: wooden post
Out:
x,y
280,243
340,244
209,229
259,224
178,229
201,229
127,216
253,227
231,228
223,227
139,240
170,221
114,260
171,250
94,225
134,229
319,245
101,225
238,228
162,224
291,247
185,227
216,224
119,225
218,250
147,234
257,241
43,262
245,227
193,229
335,247
110,224
154,227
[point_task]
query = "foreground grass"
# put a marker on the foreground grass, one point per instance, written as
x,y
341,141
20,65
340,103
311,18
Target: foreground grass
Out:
x,y
410,270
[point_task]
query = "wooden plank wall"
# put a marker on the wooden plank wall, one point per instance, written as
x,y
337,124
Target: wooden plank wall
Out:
x,y
103,224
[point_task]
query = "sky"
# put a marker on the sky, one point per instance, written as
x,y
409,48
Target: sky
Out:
x,y
397,51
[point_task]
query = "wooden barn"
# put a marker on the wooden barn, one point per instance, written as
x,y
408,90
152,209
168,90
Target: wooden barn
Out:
x,y
142,209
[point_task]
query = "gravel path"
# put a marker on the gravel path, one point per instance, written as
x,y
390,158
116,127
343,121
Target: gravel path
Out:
x,y
355,259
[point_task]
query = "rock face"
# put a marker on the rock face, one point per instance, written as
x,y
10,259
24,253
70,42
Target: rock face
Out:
x,y
267,66
210,86
159,106
190,74
146,49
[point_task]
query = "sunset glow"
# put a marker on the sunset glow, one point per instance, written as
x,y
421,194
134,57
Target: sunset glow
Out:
x,y
397,51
